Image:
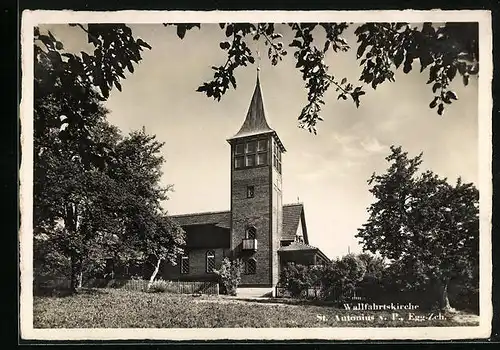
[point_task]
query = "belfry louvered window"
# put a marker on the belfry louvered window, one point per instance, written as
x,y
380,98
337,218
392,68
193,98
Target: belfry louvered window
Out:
x,y
251,153
277,158
210,261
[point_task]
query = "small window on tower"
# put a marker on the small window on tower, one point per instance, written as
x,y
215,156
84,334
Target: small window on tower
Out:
x,y
250,160
238,162
251,233
239,149
250,191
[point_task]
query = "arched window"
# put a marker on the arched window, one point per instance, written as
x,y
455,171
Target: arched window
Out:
x,y
251,266
210,261
184,264
251,232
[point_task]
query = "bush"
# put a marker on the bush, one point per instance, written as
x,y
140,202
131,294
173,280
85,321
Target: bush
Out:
x,y
158,286
296,279
337,280
230,275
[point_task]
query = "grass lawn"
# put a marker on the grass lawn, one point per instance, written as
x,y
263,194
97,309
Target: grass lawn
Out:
x,y
115,308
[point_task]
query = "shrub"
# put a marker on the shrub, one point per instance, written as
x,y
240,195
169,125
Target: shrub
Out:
x,y
230,275
337,280
158,286
296,279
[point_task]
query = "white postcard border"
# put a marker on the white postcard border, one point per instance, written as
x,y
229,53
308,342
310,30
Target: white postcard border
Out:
x,y
33,18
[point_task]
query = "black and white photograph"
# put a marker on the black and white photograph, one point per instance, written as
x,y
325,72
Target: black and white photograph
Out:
x,y
256,175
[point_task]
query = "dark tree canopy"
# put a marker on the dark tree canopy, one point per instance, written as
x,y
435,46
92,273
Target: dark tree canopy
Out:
x,y
87,212
422,222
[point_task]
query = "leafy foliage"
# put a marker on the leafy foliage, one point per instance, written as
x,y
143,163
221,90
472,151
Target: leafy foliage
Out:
x,y
75,81
382,48
158,286
447,51
230,275
336,281
85,213
296,278
429,227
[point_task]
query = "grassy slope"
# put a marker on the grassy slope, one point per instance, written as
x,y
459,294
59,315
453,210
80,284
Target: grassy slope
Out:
x,y
123,309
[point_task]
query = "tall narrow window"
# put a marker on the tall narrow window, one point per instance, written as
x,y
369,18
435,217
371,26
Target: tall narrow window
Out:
x,y
184,264
210,261
250,191
277,158
251,266
251,232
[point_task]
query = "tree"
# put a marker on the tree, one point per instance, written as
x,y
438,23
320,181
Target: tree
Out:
x,y
148,233
72,203
441,50
230,275
75,81
88,213
296,278
422,223
350,271
374,266
337,280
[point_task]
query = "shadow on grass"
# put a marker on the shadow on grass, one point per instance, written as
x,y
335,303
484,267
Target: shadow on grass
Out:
x,y
66,292
290,301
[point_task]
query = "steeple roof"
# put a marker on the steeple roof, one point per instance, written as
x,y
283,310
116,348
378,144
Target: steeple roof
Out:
x,y
255,122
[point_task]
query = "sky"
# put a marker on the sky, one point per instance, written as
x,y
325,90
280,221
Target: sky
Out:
x,y
327,172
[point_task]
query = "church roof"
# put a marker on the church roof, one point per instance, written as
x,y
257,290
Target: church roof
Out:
x,y
294,246
219,218
299,246
255,122
291,220
291,217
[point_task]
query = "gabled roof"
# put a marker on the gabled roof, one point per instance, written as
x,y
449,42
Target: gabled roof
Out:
x,y
294,246
299,246
217,218
255,122
292,215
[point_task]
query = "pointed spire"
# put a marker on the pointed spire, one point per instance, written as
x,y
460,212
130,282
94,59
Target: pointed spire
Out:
x,y
255,122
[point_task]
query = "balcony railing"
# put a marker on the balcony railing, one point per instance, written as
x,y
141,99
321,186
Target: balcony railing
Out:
x,y
249,244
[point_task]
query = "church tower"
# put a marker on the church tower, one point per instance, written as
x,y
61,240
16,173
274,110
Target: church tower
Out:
x,y
256,198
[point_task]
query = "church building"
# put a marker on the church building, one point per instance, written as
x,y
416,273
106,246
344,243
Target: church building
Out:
x,y
258,229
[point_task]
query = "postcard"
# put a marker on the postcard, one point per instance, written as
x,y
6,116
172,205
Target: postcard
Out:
x,y
256,175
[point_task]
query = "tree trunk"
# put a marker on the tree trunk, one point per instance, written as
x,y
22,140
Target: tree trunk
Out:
x,y
155,272
76,273
444,302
